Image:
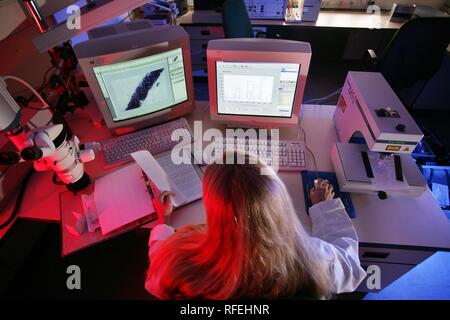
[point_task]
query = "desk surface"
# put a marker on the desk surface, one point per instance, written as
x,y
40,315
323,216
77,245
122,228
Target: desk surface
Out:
x,y
403,221
326,19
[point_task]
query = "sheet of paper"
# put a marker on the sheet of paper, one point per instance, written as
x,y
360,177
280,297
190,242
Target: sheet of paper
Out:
x,y
121,197
167,176
183,176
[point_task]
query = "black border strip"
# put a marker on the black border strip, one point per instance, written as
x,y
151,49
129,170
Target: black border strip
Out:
x,y
398,168
365,158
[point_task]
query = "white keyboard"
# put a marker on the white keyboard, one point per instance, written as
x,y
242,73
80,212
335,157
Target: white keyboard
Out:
x,y
290,155
155,139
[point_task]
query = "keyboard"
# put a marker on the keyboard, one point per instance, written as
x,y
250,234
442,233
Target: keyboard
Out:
x,y
290,156
155,139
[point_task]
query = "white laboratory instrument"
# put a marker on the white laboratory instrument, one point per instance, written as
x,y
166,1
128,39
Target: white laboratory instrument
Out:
x,y
368,108
50,147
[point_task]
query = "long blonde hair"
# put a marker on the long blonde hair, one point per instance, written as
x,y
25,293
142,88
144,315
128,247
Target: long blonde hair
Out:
x,y
253,245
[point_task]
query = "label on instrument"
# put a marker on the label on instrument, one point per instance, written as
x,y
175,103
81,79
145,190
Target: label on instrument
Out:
x,y
393,148
342,104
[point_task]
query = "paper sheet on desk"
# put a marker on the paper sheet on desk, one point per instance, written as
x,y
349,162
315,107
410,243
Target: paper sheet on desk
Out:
x,y
121,198
167,176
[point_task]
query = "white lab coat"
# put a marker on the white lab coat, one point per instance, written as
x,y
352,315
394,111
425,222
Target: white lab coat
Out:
x,y
333,237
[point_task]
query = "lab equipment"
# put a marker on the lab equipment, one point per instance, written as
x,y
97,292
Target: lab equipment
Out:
x,y
49,147
140,75
402,12
288,155
311,10
302,10
257,82
294,10
369,111
263,9
308,178
79,22
172,8
155,139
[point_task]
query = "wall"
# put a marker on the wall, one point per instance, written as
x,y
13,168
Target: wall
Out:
x,y
11,16
19,57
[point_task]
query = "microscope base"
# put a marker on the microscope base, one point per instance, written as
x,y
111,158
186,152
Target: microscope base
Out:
x,y
80,184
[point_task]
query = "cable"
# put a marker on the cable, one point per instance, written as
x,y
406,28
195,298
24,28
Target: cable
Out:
x,y
323,99
306,145
46,106
44,81
18,201
127,16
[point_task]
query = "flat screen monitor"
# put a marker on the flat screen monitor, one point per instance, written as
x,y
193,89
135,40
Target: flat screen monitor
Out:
x,y
140,77
257,82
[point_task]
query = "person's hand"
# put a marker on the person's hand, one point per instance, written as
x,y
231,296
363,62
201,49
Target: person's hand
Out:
x,y
164,206
322,191
163,203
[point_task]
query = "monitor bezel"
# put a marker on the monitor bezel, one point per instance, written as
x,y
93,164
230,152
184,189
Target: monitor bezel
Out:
x,y
301,58
169,113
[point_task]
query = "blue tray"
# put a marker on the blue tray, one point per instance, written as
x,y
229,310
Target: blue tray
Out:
x,y
308,178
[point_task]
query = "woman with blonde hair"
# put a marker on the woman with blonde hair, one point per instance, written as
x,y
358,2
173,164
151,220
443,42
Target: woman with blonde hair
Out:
x,y
253,244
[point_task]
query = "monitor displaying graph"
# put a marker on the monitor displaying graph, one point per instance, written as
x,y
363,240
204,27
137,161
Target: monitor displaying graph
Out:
x,y
256,89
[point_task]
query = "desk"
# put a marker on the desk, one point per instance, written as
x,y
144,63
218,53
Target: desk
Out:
x,y
396,233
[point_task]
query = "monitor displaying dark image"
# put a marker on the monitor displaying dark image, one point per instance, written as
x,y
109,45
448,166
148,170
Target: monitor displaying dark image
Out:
x,y
142,86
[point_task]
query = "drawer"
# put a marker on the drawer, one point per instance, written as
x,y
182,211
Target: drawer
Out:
x,y
204,32
404,256
388,274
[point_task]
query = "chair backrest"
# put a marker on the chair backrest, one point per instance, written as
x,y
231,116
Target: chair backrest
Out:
x,y
416,52
235,20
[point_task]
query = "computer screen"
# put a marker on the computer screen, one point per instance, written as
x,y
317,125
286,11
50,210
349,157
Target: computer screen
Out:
x,y
257,82
256,88
140,75
142,86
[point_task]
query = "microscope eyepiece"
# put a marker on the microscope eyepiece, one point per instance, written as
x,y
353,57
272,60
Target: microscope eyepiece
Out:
x,y
31,153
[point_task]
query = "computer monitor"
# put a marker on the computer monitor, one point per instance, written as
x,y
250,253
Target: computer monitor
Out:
x,y
257,82
139,75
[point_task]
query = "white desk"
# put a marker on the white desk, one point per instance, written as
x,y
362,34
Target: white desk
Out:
x,y
396,234
416,222
394,221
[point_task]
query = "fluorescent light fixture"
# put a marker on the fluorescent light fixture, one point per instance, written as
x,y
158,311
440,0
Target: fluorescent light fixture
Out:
x,y
89,18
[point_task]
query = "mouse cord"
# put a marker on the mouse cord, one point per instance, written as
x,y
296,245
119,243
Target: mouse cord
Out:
x,y
300,120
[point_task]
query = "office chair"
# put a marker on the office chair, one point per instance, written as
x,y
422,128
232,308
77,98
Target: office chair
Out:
x,y
412,58
235,20
415,53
